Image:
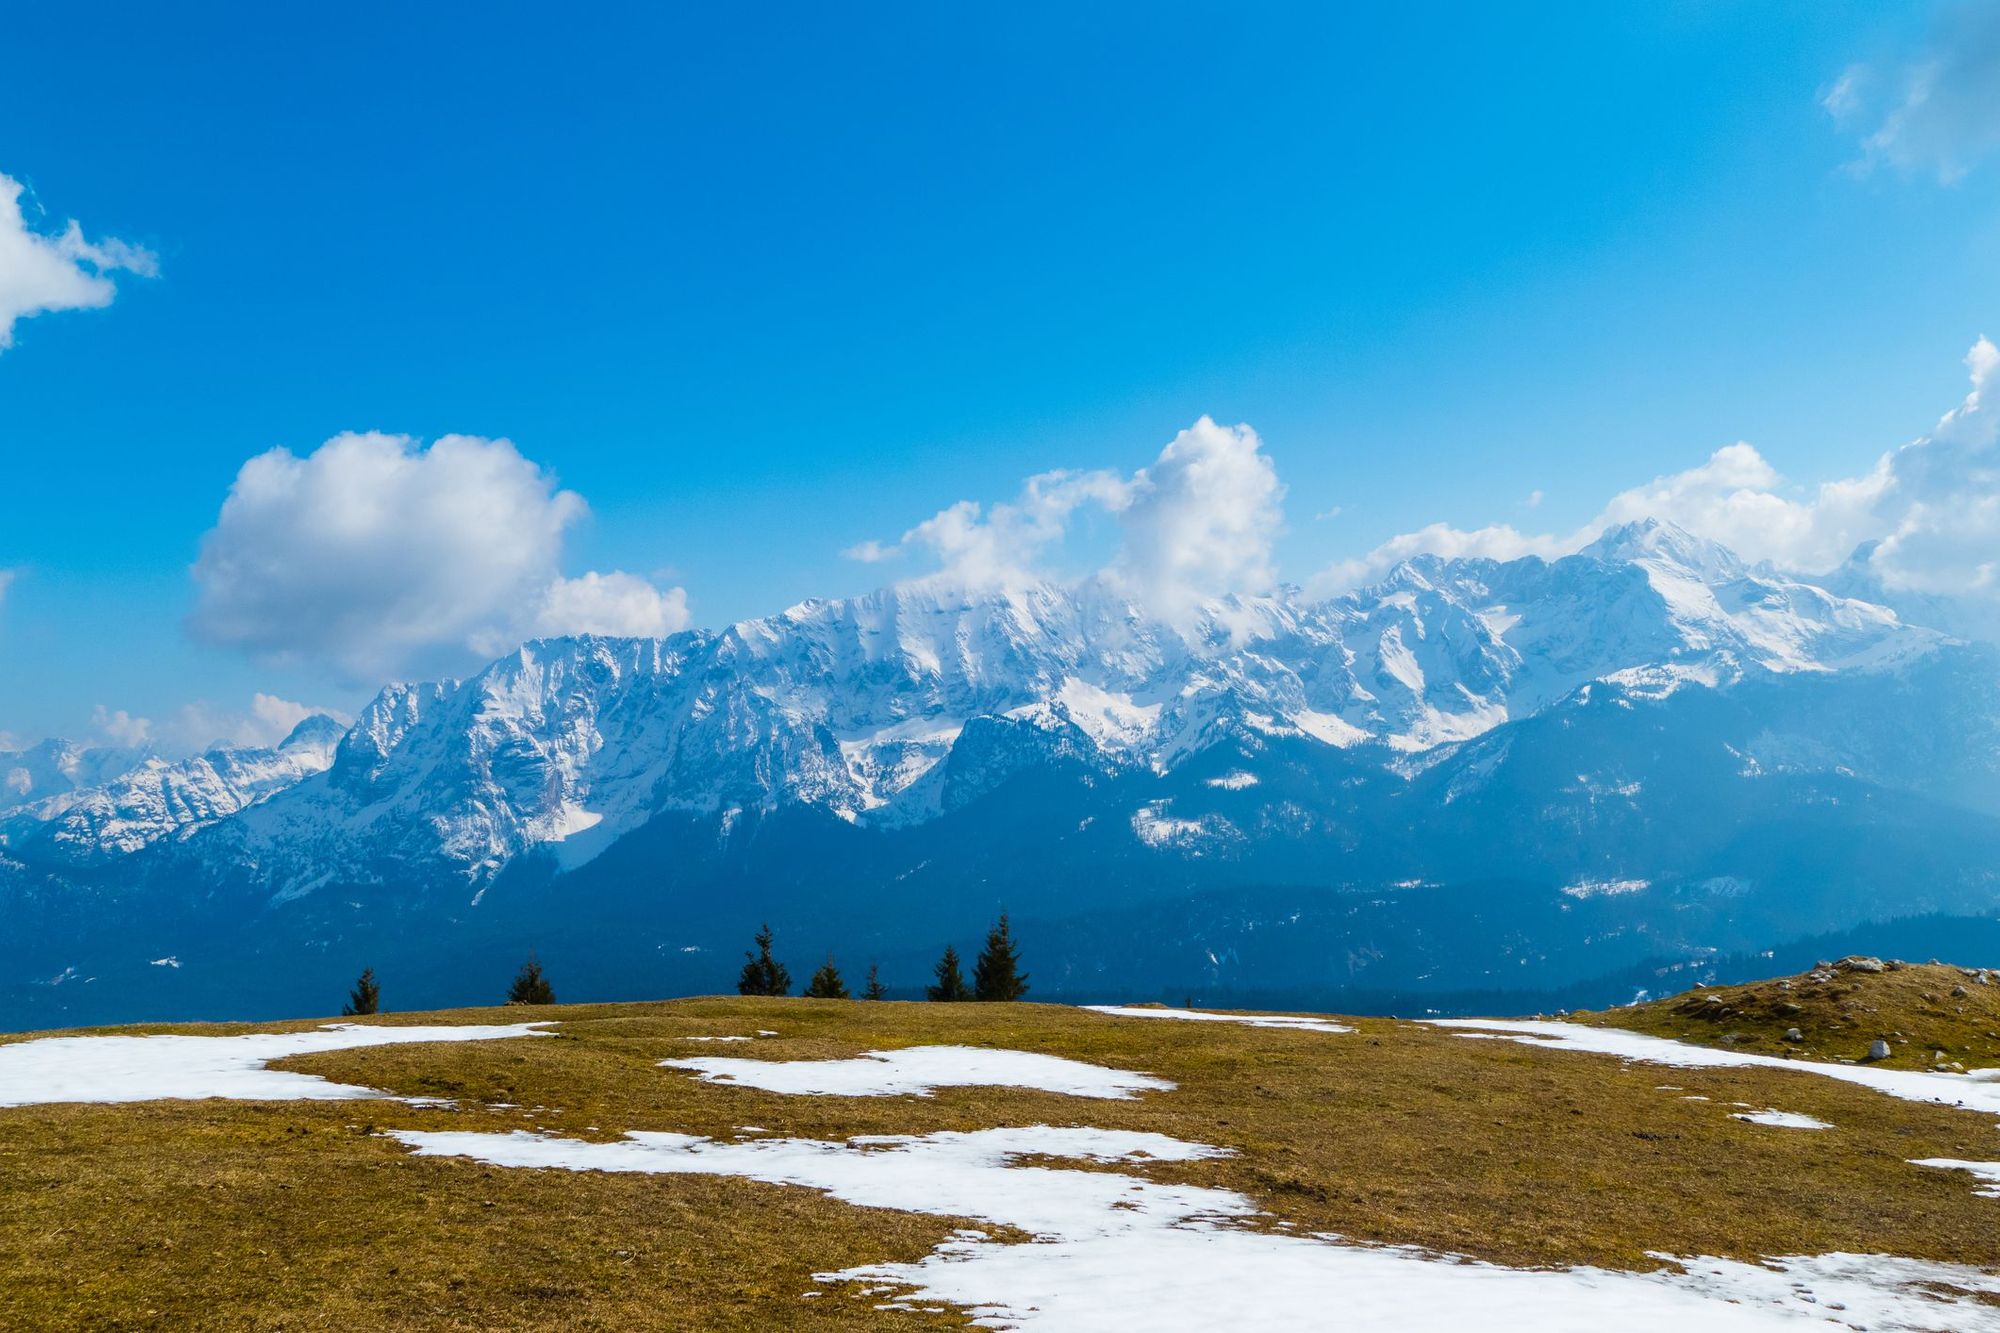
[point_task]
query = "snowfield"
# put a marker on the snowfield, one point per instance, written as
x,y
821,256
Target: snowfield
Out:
x,y
1962,1090
1115,1251
174,1067
918,1071
1298,1022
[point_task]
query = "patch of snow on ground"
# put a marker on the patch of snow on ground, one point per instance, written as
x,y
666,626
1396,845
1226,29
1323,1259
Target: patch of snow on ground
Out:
x,y
1236,781
1115,1251
1606,888
918,1071
1909,1085
1303,1022
171,1066
1987,1172
1782,1119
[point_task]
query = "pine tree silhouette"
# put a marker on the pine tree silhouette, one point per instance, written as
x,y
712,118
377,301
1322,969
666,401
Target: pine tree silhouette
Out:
x,y
826,983
365,998
997,974
763,974
950,981
874,989
530,986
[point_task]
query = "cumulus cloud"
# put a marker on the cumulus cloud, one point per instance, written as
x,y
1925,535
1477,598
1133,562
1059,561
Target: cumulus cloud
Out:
x,y
1938,114
61,270
1197,524
266,722
996,547
615,603
120,728
1925,518
1498,541
201,725
376,553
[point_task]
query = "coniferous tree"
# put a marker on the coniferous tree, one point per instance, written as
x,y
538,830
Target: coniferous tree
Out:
x,y
763,974
826,983
874,989
950,981
997,975
365,998
530,986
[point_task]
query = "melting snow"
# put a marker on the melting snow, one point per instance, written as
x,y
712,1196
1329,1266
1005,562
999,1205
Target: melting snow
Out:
x,y
144,1069
919,1071
1782,1119
1303,1022
1117,1251
1987,1172
1910,1085
1236,781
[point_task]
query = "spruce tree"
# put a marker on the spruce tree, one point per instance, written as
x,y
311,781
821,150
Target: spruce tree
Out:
x,y
365,998
826,983
950,981
531,987
874,989
997,974
763,974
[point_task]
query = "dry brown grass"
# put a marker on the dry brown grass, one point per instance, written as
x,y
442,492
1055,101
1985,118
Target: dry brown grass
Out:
x,y
301,1215
1923,1010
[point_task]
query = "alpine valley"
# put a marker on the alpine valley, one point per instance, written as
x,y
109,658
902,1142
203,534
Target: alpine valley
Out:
x,y
1472,785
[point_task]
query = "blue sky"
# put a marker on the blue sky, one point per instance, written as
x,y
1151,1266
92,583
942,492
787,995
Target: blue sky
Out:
x,y
760,286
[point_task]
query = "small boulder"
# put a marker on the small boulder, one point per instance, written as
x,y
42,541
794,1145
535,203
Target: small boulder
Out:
x,y
1793,1034
1858,963
1879,1050
1960,991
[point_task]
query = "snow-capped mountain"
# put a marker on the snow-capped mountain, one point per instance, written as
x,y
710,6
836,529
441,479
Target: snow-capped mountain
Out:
x,y
1059,745
153,798
58,766
853,705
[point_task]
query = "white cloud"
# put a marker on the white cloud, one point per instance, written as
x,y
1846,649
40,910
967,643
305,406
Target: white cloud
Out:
x,y
268,721
1534,500
999,547
615,603
1925,518
1498,541
1845,98
42,272
375,553
120,727
1942,111
871,552
1199,523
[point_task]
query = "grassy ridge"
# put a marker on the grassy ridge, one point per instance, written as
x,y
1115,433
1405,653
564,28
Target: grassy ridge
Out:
x,y
300,1215
1932,1015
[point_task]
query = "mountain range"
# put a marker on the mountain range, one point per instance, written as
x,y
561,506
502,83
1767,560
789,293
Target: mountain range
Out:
x,y
1560,781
